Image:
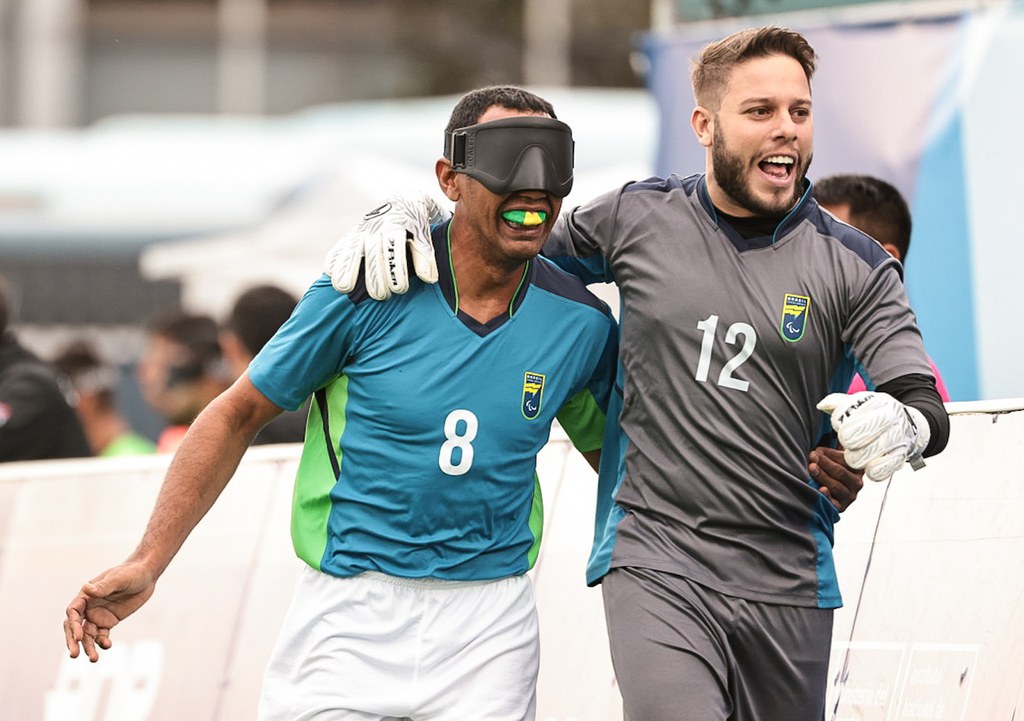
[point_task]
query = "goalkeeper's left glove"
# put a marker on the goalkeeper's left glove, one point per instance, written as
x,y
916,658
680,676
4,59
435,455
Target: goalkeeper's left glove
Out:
x,y
380,239
877,432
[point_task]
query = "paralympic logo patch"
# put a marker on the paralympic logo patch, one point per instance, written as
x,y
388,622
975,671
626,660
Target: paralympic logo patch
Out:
x,y
533,394
794,316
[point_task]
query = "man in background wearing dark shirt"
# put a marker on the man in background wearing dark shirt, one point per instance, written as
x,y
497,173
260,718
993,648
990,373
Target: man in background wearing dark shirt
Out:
x,y
36,421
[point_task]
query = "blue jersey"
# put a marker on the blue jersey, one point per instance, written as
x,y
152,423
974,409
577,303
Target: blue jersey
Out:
x,y
420,455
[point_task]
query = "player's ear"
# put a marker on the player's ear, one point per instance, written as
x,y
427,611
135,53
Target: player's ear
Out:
x,y
893,251
446,178
701,121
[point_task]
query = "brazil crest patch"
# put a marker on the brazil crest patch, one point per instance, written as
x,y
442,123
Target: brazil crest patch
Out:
x,y
533,394
794,316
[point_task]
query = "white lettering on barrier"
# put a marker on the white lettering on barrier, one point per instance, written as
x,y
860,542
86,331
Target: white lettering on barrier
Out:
x,y
921,680
122,687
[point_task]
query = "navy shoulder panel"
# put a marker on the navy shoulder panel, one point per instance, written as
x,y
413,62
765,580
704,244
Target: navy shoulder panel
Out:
x,y
663,185
553,279
358,293
870,251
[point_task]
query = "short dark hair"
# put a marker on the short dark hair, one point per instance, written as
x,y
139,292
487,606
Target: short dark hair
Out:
x,y
198,333
258,313
711,70
876,207
476,102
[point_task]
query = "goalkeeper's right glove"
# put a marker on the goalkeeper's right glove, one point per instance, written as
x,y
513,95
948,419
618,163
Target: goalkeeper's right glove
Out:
x,y
877,432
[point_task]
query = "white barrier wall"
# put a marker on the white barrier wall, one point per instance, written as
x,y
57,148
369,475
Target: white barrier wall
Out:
x,y
935,630
936,558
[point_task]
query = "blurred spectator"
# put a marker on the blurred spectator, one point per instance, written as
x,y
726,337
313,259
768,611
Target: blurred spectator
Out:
x,y
255,317
181,370
877,208
36,421
93,391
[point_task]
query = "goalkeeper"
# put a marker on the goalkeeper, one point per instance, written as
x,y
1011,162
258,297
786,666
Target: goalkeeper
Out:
x,y
744,307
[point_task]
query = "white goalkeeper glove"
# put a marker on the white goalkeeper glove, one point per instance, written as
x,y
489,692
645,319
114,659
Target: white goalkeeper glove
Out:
x,y
381,238
877,432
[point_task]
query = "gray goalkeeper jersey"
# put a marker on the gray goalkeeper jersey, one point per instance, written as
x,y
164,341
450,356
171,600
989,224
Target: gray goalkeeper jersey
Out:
x,y
727,345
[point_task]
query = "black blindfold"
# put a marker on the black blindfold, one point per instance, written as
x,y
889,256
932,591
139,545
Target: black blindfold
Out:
x,y
511,154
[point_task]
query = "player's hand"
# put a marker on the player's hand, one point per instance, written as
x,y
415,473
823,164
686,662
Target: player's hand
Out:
x,y
877,432
381,239
839,483
103,603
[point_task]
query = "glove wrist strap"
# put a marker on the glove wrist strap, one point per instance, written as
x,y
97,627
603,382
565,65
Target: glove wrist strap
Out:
x,y
924,433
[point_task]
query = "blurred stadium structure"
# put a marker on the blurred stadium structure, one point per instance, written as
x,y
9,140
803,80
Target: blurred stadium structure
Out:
x,y
73,62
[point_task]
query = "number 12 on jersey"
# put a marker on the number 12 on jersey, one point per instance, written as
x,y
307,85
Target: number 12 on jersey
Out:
x,y
709,326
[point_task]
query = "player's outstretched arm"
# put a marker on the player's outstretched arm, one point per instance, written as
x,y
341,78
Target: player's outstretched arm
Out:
x,y
199,471
380,240
878,433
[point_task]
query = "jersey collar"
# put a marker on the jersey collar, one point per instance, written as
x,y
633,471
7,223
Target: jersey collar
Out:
x,y
793,218
446,284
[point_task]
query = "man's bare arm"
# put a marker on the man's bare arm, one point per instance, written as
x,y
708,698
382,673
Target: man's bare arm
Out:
x,y
204,463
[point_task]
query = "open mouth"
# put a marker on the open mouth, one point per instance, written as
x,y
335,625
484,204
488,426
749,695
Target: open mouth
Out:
x,y
524,219
779,167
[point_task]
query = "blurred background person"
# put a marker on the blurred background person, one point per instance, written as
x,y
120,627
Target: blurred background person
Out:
x,y
92,386
36,420
873,206
254,318
180,371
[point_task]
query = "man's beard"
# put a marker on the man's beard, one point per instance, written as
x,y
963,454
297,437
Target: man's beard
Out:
x,y
730,173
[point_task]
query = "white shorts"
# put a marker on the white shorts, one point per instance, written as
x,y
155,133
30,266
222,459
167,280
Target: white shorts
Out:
x,y
375,647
